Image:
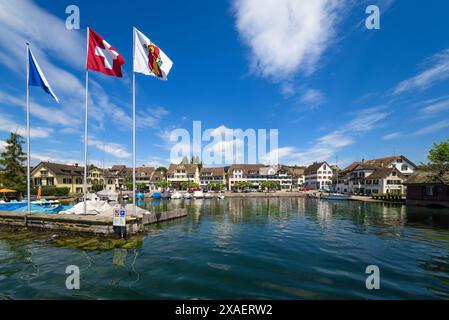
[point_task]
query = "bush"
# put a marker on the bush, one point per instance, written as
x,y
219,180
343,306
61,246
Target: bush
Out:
x,y
52,191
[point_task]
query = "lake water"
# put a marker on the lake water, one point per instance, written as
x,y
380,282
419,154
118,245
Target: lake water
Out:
x,y
286,248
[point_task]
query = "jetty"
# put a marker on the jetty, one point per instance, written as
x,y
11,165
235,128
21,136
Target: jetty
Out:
x,y
86,224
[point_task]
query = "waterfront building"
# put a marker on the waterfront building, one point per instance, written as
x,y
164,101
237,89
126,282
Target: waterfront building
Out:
x,y
49,174
377,176
298,177
258,173
212,175
115,177
179,173
318,176
150,177
423,189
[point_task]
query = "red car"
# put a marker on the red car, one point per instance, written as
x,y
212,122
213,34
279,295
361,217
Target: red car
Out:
x,y
304,189
191,190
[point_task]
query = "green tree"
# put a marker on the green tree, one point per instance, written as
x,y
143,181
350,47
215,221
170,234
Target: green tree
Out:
x,y
439,162
185,160
162,169
163,184
12,161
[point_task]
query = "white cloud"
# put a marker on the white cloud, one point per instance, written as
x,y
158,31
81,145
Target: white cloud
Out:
x,y
8,125
326,146
312,99
287,36
437,71
392,136
115,149
435,107
433,127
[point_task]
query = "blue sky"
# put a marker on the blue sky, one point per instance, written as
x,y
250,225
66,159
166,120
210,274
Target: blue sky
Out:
x,y
309,69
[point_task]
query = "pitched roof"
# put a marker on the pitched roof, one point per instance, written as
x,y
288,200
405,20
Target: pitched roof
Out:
x,y
382,173
216,172
383,162
314,167
144,171
424,177
190,168
62,169
246,168
297,172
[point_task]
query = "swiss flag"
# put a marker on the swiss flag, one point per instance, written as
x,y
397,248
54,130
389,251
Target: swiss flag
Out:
x,y
102,57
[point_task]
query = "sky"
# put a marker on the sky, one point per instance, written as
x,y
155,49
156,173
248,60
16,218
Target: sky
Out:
x,y
310,69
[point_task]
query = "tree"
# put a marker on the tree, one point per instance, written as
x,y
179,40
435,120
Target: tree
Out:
x,y
163,184
162,169
439,154
12,160
439,162
189,185
185,160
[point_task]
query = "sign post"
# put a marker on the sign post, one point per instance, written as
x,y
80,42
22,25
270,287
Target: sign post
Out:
x,y
120,218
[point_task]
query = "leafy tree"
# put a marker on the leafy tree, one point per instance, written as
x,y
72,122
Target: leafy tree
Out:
x,y
439,162
162,169
163,184
185,160
439,154
97,187
12,160
189,185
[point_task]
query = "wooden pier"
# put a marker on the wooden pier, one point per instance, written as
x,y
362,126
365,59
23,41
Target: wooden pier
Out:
x,y
86,224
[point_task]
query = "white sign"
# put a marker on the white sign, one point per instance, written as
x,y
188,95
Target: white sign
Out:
x,y
119,217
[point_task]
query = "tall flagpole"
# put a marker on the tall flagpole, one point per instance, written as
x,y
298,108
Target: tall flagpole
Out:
x,y
85,127
134,128
28,131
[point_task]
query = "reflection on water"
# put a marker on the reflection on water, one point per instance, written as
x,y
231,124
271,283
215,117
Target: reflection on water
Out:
x,y
281,248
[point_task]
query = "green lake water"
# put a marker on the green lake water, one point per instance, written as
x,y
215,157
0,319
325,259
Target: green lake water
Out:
x,y
283,248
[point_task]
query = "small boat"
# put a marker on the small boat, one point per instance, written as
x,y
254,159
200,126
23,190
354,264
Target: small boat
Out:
x,y
198,194
140,195
176,195
221,196
335,196
166,195
156,195
187,195
208,195
45,202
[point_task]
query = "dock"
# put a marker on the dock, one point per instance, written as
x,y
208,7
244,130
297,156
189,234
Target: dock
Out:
x,y
85,224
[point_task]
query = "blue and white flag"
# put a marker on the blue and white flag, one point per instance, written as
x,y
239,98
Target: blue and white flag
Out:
x,y
37,78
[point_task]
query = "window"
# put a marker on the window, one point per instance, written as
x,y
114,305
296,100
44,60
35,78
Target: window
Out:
x,y
393,173
428,190
404,167
50,181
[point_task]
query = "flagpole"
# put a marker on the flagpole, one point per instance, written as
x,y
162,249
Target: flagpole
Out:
x,y
134,129
85,128
28,131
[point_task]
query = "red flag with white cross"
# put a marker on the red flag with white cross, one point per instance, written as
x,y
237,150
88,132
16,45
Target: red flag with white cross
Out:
x,y
102,57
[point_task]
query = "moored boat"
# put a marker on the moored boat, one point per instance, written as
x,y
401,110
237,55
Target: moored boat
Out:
x,y
156,195
208,195
335,196
198,194
187,195
176,195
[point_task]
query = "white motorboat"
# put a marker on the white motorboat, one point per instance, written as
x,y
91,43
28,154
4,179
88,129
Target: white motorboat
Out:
x,y
208,195
335,196
198,194
221,196
176,195
187,195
